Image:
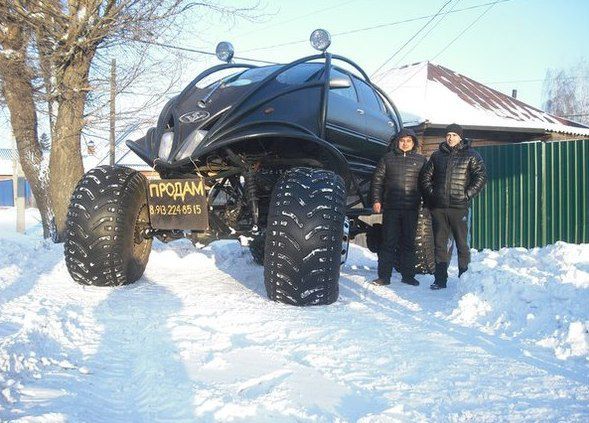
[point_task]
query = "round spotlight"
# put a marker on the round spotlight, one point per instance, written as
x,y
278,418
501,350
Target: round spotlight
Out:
x,y
320,39
224,51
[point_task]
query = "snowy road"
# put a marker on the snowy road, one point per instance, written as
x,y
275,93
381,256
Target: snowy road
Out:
x,y
196,340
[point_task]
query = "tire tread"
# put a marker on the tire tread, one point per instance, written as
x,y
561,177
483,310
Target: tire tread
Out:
x,y
98,227
303,238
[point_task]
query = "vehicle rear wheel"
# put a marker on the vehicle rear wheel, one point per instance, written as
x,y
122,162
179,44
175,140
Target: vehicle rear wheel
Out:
x,y
257,248
374,237
304,237
424,243
106,222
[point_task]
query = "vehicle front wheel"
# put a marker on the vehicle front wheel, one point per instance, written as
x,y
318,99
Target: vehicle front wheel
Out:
x,y
302,253
106,222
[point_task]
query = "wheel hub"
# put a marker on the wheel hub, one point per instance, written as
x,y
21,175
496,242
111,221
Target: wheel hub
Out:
x,y
345,240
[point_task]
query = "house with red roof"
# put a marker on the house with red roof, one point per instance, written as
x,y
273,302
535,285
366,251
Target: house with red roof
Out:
x,y
7,156
431,96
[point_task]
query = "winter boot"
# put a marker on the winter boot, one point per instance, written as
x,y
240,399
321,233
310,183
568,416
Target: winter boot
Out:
x,y
461,270
380,282
441,276
410,280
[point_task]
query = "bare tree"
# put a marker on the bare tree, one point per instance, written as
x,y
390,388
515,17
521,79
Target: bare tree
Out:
x,y
49,51
566,92
45,141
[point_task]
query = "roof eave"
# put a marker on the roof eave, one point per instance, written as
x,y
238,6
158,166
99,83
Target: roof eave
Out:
x,y
527,130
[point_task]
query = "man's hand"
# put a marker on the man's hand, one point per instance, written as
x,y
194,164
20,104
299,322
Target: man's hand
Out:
x,y
376,207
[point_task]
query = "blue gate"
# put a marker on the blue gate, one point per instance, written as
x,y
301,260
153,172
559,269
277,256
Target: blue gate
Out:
x,y
7,194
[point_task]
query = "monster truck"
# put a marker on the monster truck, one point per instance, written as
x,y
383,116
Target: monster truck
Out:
x,y
282,154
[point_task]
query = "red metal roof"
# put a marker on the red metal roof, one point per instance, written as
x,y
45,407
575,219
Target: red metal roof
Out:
x,y
479,95
427,92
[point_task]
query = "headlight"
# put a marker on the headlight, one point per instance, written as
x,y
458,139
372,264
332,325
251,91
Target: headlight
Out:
x,y
166,145
320,39
224,51
193,140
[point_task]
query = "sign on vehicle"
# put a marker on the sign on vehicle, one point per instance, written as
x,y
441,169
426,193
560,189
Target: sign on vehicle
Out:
x,y
178,204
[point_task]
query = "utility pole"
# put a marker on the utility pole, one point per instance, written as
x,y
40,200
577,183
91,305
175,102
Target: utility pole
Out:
x,y
18,189
113,90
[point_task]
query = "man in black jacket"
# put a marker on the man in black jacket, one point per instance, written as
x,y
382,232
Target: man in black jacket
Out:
x,y
395,192
453,175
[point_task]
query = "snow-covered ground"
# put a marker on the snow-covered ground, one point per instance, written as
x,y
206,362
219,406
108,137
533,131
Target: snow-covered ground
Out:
x,y
197,340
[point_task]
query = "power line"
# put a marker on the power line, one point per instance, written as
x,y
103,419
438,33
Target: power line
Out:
x,y
448,45
400,60
172,93
353,31
465,29
315,12
369,28
413,36
192,50
537,80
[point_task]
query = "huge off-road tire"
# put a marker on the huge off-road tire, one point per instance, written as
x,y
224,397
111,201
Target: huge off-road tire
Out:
x,y
425,263
374,237
424,243
106,220
304,237
257,248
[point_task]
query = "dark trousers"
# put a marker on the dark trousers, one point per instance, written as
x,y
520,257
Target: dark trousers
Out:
x,y
444,223
398,229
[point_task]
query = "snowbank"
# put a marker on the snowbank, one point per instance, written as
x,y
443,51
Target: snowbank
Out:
x,y
540,296
196,339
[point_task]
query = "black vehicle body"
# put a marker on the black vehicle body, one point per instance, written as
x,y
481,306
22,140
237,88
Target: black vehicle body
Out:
x,y
283,154
306,113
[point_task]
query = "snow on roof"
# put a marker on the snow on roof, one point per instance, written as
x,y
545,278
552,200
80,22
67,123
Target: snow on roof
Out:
x,y
428,92
123,155
6,154
6,163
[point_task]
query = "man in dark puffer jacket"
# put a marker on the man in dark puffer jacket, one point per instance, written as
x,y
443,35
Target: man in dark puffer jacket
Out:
x,y
395,192
453,175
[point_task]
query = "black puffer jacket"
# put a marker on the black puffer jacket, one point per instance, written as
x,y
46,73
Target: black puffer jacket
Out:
x,y
453,176
395,183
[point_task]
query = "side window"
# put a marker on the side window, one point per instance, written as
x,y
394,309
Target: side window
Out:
x,y
388,110
368,97
383,108
349,92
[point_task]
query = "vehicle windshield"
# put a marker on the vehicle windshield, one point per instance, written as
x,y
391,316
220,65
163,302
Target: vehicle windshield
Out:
x,y
300,73
250,76
217,77
296,75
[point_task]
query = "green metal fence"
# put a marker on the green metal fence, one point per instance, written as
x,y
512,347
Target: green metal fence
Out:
x,y
536,195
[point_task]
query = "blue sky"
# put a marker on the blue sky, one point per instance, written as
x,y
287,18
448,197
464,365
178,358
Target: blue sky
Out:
x,y
516,40
509,46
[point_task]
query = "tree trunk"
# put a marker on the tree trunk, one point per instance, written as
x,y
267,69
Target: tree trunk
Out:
x,y
66,157
18,92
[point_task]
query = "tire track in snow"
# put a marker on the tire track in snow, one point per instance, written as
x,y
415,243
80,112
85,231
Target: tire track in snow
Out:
x,y
137,364
197,340
49,331
387,301
455,354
